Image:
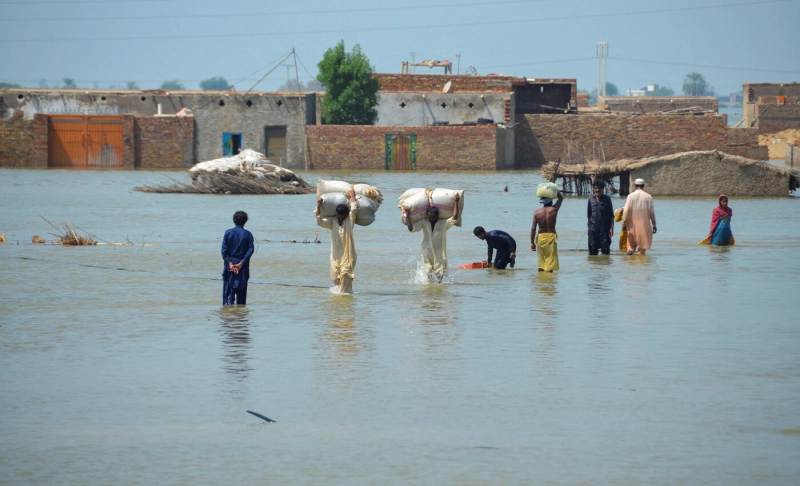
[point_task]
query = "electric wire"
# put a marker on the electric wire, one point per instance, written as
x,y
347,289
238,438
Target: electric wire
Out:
x,y
397,28
267,14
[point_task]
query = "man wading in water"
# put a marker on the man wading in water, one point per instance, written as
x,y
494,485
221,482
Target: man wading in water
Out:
x,y
545,219
343,247
434,240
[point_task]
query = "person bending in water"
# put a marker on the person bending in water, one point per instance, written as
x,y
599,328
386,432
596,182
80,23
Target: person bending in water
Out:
x,y
237,248
545,219
434,240
720,233
501,241
343,247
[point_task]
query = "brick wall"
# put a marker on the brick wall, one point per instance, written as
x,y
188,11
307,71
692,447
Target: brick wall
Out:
x,y
655,104
426,83
775,118
740,141
164,142
438,147
542,138
583,100
23,143
751,92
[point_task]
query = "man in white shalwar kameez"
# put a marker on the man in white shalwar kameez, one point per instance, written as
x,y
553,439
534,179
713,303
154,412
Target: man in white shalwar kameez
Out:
x,y
434,240
637,218
343,247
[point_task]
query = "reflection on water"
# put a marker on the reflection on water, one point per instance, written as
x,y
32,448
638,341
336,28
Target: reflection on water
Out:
x,y
234,329
546,284
342,343
600,267
431,331
637,275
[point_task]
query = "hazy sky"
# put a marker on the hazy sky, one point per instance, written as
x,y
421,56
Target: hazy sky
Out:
x,y
101,43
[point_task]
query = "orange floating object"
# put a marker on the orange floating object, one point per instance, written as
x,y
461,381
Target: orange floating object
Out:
x,y
473,266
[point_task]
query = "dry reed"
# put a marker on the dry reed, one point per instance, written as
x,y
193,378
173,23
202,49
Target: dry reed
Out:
x,y
68,236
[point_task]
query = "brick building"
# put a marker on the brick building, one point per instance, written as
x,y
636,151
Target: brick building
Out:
x,y
425,122
771,107
656,104
149,129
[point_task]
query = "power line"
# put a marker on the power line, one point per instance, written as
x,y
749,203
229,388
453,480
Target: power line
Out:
x,y
304,68
684,64
404,27
267,14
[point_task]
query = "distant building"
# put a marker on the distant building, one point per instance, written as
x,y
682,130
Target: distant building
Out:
x,y
155,128
771,107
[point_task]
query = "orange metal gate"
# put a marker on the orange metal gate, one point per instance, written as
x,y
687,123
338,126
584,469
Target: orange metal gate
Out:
x,y
85,141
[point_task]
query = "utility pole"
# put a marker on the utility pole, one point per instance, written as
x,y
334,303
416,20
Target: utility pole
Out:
x,y
413,61
288,66
602,59
458,56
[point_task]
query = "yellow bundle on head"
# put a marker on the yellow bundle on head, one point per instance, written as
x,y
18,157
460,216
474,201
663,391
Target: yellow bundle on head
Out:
x,y
547,189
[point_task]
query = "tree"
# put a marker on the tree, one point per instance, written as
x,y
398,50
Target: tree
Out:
x,y
694,84
291,85
661,91
217,83
351,90
132,85
9,85
43,83
611,89
173,85
69,83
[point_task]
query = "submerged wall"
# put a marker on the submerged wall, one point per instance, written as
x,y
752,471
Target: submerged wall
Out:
x,y
710,174
165,142
479,147
543,138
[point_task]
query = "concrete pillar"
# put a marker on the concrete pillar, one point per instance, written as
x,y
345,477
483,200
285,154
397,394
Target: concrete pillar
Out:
x,y
792,156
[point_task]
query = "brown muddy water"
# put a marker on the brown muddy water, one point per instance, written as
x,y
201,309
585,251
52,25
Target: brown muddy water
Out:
x,y
118,364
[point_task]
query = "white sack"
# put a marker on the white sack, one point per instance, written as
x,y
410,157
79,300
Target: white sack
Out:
x,y
372,192
419,200
365,215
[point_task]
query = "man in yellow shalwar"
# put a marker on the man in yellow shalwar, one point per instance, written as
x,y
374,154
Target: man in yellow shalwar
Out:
x,y
434,240
545,218
343,247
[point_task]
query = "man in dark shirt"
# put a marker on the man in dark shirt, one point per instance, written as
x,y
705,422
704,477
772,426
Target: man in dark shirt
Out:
x,y
600,220
237,248
502,242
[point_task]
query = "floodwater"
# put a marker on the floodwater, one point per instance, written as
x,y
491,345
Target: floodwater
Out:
x,y
118,364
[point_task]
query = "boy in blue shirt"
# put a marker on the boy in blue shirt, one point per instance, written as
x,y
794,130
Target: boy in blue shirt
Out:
x,y
237,248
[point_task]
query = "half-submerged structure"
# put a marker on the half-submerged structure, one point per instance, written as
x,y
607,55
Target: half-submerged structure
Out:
x,y
699,173
248,172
